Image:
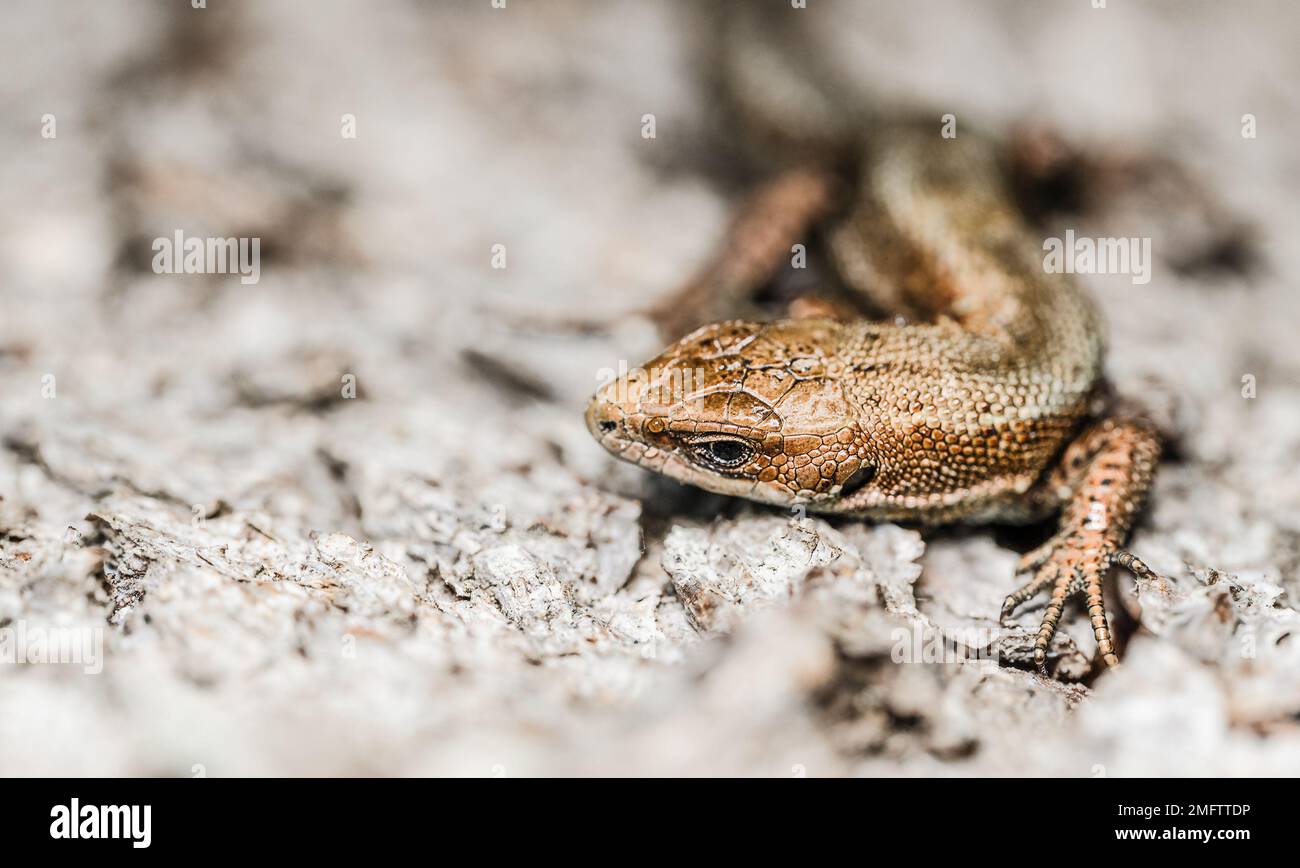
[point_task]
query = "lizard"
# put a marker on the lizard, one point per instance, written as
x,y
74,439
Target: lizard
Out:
x,y
981,401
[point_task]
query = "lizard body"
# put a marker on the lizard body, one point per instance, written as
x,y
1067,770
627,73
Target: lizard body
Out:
x,y
976,404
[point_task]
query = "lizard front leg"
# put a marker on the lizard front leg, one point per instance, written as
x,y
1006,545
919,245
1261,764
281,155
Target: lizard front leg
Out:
x,y
1104,476
758,241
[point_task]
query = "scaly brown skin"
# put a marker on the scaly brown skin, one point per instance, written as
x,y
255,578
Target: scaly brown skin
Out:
x,y
974,406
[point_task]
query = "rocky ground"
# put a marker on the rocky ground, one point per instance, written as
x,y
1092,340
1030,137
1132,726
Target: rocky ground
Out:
x,y
348,520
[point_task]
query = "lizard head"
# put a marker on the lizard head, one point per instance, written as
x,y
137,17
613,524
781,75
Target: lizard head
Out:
x,y
745,409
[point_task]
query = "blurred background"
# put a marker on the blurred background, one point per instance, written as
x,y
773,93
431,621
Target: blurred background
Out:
x,y
348,520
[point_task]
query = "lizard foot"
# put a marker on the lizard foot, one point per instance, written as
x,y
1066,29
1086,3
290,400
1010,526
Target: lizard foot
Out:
x,y
1071,564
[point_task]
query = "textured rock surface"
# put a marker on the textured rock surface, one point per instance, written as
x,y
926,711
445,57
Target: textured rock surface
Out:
x,y
442,574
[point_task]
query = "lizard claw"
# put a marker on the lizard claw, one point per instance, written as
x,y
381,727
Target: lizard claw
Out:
x,y
1130,562
1071,565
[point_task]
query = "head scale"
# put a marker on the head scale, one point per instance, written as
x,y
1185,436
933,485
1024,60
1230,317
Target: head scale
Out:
x,y
745,409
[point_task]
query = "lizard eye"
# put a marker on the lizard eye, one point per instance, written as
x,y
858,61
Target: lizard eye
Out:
x,y
723,453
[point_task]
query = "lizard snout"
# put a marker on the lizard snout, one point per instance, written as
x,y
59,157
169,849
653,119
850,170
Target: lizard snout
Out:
x,y
604,416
